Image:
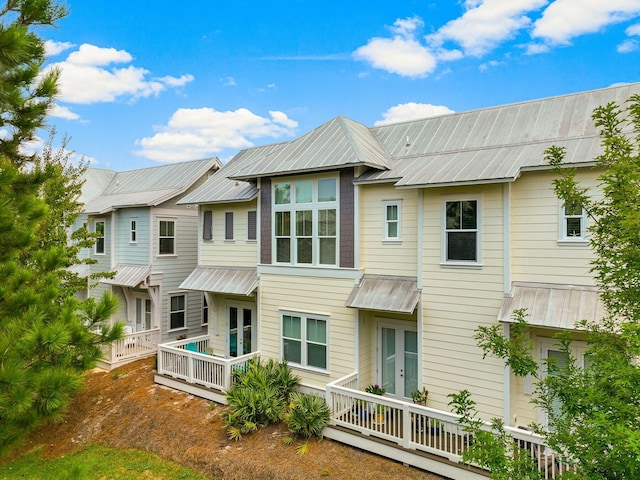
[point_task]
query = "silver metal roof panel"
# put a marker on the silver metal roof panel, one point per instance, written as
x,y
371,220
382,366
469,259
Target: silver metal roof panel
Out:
x,y
229,280
385,293
128,275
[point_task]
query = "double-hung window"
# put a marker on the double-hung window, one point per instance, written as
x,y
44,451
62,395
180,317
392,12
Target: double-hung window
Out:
x,y
167,237
178,312
133,231
392,214
573,223
305,223
462,231
304,340
99,245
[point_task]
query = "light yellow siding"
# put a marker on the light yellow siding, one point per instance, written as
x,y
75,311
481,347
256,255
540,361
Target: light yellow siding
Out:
x,y
376,255
230,253
456,300
537,255
322,296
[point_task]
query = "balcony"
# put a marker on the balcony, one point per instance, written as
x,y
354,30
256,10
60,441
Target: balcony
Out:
x,y
131,347
189,366
417,435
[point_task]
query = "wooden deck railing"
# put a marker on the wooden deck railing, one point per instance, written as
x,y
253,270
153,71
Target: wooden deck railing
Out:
x,y
132,346
188,360
422,428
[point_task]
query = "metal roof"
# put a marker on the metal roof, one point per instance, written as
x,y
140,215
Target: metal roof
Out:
x,y
220,188
144,187
230,280
128,275
336,144
493,144
80,269
553,306
385,293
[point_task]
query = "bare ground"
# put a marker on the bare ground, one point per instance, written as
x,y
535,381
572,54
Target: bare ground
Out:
x,y
125,409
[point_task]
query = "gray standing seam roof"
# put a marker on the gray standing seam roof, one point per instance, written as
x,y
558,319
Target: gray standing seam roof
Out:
x,y
553,306
143,187
385,293
128,275
229,280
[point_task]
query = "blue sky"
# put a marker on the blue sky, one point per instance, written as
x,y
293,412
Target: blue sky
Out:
x,y
191,79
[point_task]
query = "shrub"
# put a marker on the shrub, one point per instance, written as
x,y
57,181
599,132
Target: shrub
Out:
x,y
307,415
258,396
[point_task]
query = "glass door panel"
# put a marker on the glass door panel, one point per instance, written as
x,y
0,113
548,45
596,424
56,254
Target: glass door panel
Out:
x,y
389,360
410,362
398,350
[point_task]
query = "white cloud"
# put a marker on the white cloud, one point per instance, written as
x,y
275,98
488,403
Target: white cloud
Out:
x,y
628,46
411,111
486,24
633,30
52,48
62,112
565,19
201,132
88,76
228,82
490,64
402,54
536,48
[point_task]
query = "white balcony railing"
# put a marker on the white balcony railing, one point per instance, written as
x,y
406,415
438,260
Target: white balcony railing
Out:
x,y
132,346
188,360
422,428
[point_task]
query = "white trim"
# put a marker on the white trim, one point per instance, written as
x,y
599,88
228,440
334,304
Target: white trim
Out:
x,y
386,222
310,271
563,239
304,341
506,237
315,206
477,197
186,307
507,383
420,243
174,220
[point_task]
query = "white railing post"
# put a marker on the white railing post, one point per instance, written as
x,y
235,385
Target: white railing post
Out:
x,y
407,427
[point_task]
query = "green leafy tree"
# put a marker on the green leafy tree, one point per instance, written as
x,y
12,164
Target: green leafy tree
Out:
x,y
593,411
48,338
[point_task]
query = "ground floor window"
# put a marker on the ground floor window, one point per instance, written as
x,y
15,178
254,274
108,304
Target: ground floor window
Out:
x,y
304,339
178,312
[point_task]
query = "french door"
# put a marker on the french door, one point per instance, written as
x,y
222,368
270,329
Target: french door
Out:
x,y
143,314
241,328
398,359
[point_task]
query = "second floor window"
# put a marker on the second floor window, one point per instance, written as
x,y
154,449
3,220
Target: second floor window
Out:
x,y
178,312
228,226
251,225
99,245
133,238
306,222
391,220
573,223
167,237
461,231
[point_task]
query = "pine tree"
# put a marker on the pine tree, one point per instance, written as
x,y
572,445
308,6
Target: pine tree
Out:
x,y
48,338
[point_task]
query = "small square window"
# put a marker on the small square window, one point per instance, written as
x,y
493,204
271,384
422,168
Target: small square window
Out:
x,y
573,221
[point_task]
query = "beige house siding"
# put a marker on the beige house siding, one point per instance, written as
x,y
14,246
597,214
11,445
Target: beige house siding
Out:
x,y
233,253
385,257
456,300
313,295
537,253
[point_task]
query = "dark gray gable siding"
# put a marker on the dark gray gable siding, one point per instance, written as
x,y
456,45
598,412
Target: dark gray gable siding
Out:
x,y
346,218
265,221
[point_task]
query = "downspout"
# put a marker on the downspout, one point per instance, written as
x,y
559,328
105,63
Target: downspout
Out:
x,y
506,215
420,256
356,264
258,295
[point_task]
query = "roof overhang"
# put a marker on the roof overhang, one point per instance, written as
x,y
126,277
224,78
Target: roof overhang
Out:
x,y
385,293
128,275
553,306
229,280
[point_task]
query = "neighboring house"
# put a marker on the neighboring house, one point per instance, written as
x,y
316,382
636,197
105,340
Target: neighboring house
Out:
x,y
371,256
151,245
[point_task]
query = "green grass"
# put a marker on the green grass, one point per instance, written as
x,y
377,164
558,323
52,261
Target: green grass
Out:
x,y
95,462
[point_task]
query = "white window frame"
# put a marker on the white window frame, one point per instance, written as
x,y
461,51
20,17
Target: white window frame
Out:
x,y
184,311
103,237
386,222
478,230
205,308
174,237
304,341
315,206
133,229
563,233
